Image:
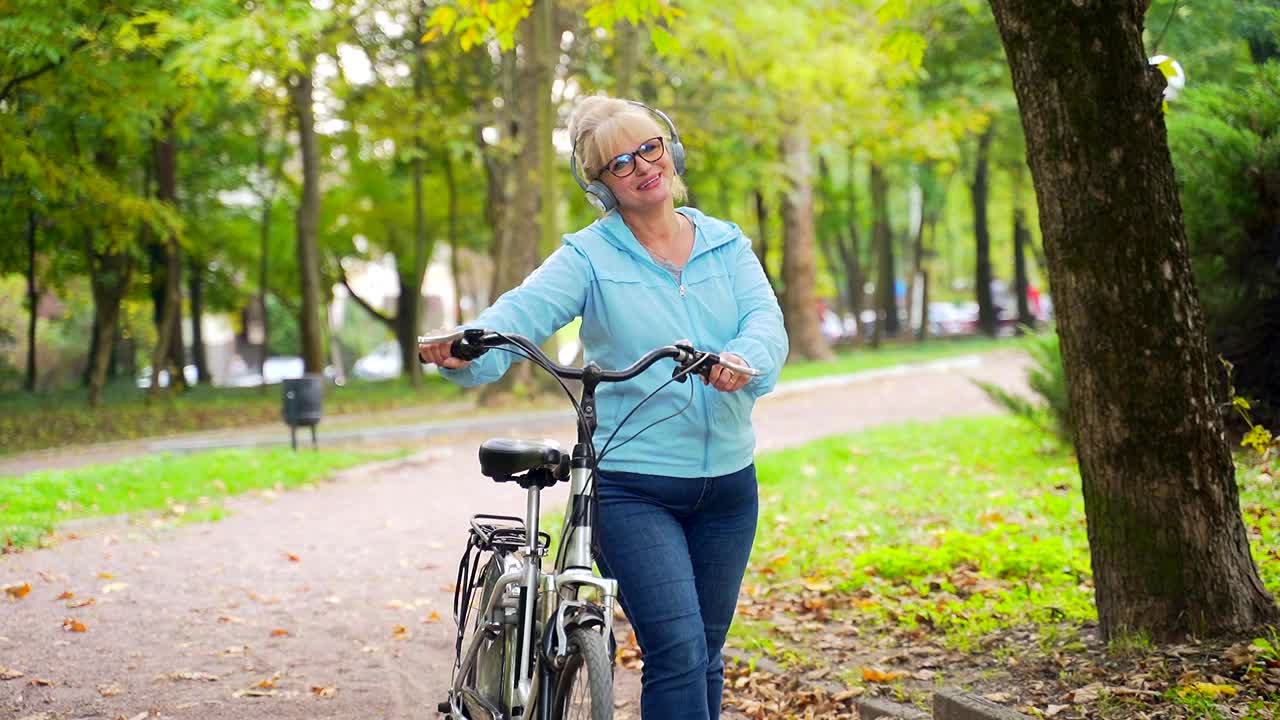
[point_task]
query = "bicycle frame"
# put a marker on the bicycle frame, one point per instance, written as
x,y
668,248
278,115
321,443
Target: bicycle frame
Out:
x,y
556,605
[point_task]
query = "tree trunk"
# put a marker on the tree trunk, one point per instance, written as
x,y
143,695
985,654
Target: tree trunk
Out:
x,y
799,267
455,261
1021,239
109,273
882,237
978,191
534,211
851,255
33,303
626,56
761,246
195,290
1169,549
410,300
169,330
308,220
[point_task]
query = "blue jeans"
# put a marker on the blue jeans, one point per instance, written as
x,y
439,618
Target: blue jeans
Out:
x,y
678,548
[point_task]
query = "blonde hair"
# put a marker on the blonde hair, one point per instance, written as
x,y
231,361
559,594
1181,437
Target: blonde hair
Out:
x,y
596,124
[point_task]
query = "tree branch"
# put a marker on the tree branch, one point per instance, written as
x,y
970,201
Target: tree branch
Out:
x,y
9,86
389,322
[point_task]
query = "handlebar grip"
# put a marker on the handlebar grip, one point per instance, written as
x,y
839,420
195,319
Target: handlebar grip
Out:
x,y
463,350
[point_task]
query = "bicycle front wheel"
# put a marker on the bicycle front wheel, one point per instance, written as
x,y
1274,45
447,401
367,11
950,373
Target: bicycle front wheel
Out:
x,y
584,688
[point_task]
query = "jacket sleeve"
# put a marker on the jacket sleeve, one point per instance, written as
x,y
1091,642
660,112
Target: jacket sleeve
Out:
x,y
549,297
762,338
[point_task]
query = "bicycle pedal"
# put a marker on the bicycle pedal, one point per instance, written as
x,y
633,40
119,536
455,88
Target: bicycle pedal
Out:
x,y
444,707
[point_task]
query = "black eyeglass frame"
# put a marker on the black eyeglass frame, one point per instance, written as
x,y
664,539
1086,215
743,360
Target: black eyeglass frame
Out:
x,y
662,150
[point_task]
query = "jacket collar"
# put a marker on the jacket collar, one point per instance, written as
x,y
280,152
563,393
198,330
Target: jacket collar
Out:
x,y
707,235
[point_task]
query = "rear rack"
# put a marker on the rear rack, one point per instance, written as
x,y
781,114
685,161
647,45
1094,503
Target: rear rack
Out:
x,y
503,532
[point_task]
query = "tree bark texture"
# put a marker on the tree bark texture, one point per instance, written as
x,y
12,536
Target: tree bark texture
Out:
x,y
33,303
1021,239
110,270
979,191
761,245
308,219
169,327
1169,549
799,262
408,317
882,236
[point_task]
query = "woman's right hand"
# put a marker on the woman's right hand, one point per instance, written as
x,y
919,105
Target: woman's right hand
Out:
x,y
440,353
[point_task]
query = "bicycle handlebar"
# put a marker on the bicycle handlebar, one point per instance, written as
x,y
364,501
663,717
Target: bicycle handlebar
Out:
x,y
471,343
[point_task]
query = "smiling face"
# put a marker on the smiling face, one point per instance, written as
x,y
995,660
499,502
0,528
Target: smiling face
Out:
x,y
645,183
611,128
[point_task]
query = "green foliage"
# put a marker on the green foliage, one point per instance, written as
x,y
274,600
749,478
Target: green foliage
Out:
x,y
1051,410
33,505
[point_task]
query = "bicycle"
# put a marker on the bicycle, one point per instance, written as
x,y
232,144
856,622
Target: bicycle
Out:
x,y
540,645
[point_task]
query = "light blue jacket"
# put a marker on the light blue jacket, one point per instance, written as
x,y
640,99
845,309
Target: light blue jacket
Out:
x,y
630,305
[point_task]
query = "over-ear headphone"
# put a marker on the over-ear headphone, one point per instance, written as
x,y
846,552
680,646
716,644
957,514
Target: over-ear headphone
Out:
x,y
599,194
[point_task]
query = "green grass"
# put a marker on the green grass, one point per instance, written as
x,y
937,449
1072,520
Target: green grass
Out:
x,y
961,528
185,487
890,354
33,421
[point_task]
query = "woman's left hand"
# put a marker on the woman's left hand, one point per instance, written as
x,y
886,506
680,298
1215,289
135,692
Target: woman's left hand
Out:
x,y
726,380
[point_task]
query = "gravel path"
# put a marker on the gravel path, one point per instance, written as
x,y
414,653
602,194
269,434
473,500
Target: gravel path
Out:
x,y
334,602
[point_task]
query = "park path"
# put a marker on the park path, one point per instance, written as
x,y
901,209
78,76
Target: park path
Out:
x,y
334,602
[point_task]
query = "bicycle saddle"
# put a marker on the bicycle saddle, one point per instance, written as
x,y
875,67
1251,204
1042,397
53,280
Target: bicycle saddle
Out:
x,y
500,458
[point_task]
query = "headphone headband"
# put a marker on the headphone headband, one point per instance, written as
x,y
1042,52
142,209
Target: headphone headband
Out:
x,y
598,194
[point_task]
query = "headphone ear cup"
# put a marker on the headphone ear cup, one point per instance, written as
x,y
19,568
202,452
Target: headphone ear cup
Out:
x,y
600,196
677,156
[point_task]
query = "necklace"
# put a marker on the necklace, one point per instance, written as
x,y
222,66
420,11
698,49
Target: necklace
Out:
x,y
664,259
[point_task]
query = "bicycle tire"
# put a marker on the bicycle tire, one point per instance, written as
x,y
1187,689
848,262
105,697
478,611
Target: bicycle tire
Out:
x,y
593,700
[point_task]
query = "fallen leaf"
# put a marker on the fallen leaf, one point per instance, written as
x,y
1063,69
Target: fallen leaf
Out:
x,y
110,690
66,595
10,673
17,592
1053,710
877,675
997,697
292,557
400,632
395,605
189,675
849,694
1206,690
40,682
324,692
254,692
1087,694
73,625
267,684
230,619
81,603
106,576
140,716
279,632
114,587
434,617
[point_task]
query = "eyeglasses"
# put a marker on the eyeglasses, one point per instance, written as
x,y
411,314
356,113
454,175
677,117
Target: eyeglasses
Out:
x,y
625,164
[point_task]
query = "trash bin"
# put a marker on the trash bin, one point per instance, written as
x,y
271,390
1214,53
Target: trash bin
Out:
x,y
302,405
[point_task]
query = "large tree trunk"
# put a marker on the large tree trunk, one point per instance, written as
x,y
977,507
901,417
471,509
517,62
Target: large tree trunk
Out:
x,y
799,266
978,192
882,238
308,220
1170,552
533,118
408,320
33,303
169,328
195,290
626,56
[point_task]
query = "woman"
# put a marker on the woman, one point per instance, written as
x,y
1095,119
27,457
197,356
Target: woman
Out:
x,y
678,504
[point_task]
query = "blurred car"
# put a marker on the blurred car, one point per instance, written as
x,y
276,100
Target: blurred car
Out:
x,y
382,364
950,319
